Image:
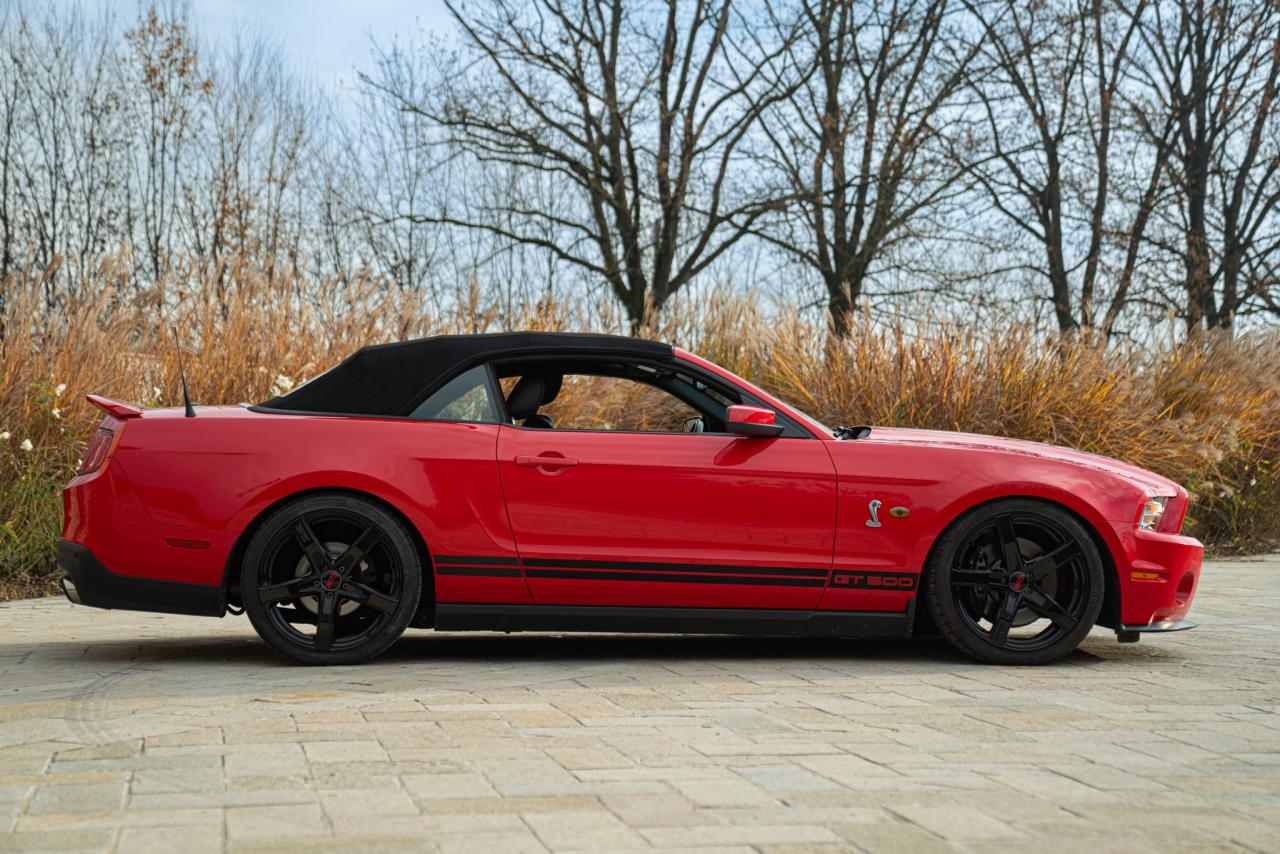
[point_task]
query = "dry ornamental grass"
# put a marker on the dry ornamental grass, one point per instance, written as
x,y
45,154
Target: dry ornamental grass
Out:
x,y
1205,412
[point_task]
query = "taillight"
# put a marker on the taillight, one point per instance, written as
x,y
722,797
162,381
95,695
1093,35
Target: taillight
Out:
x,y
98,450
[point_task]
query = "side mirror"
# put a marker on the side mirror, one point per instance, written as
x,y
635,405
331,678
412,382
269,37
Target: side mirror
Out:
x,y
751,421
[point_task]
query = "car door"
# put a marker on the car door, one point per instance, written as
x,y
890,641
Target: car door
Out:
x,y
652,518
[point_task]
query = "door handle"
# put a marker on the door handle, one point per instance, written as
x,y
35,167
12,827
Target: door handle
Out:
x,y
545,461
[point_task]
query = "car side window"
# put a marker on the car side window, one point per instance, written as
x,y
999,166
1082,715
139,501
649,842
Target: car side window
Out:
x,y
597,402
466,397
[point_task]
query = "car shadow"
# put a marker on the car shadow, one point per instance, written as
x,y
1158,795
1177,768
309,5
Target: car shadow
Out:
x,y
218,668
921,653
589,648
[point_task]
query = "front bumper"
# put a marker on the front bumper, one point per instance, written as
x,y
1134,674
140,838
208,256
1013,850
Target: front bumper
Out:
x,y
1131,634
1158,575
87,582
1160,626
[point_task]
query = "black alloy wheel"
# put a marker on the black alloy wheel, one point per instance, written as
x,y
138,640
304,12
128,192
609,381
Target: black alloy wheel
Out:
x,y
1017,581
331,579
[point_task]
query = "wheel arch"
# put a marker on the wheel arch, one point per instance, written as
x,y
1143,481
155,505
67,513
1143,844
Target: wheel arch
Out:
x,y
1110,614
235,558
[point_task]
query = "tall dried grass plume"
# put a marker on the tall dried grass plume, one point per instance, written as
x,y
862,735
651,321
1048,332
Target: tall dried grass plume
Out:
x,y
1204,411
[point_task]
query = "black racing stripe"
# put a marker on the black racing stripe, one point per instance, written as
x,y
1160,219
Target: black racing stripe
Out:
x,y
477,560
682,578
810,572
501,572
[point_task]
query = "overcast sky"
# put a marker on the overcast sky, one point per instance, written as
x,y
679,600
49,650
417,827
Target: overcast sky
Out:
x,y
325,38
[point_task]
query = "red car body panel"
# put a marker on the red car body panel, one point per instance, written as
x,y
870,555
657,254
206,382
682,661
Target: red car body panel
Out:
x,y
665,499
938,476
776,523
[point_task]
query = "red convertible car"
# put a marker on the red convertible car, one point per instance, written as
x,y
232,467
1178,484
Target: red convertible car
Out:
x,y
495,482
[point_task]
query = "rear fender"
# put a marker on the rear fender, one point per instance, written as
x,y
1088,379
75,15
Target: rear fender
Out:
x,y
315,481
231,572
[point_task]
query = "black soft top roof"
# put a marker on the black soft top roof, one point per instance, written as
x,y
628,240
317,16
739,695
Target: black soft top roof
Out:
x,y
392,379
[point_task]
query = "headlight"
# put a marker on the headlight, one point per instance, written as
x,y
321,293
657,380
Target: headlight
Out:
x,y
1152,510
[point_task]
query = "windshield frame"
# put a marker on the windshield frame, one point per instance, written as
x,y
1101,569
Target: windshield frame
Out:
x,y
809,424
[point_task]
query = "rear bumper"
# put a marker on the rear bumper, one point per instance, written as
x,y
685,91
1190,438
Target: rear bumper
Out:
x,y
87,582
102,513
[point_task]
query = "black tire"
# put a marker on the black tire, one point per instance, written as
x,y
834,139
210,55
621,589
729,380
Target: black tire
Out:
x,y
1033,612
295,577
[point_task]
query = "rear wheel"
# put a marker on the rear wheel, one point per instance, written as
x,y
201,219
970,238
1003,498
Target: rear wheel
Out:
x,y
331,579
1017,581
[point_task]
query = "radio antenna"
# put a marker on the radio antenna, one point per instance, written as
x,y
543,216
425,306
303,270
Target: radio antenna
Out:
x,y
182,375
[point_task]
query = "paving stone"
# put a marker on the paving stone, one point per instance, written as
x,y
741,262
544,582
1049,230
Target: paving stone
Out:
x,y
13,793
211,798
367,802
664,810
894,838
380,827
265,760
119,819
116,750
846,768
276,822
436,786
77,798
137,732
345,751
587,758
165,840
175,780
510,774
724,793
786,778
958,823
592,831
666,837
516,842
58,840
208,735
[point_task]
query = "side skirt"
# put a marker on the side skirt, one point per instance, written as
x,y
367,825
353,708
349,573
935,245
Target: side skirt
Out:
x,y
708,621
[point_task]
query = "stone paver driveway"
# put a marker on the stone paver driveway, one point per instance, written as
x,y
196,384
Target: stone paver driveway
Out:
x,y
141,732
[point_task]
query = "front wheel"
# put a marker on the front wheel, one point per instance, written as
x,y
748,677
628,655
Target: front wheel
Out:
x,y
1016,581
331,579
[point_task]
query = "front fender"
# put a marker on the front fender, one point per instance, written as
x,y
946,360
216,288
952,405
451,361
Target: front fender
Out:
x,y
1088,512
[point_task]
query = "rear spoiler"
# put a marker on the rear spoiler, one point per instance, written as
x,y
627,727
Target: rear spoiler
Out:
x,y
113,407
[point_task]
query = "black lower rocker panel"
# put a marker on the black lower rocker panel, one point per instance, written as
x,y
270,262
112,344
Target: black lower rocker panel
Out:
x,y
708,621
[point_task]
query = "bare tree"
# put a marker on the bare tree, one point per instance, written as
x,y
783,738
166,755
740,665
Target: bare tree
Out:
x,y
167,80
1109,159
1051,100
243,185
11,137
395,172
862,145
1212,71
63,140
637,110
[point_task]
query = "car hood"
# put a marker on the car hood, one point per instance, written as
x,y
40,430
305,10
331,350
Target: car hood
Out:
x,y
1139,477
